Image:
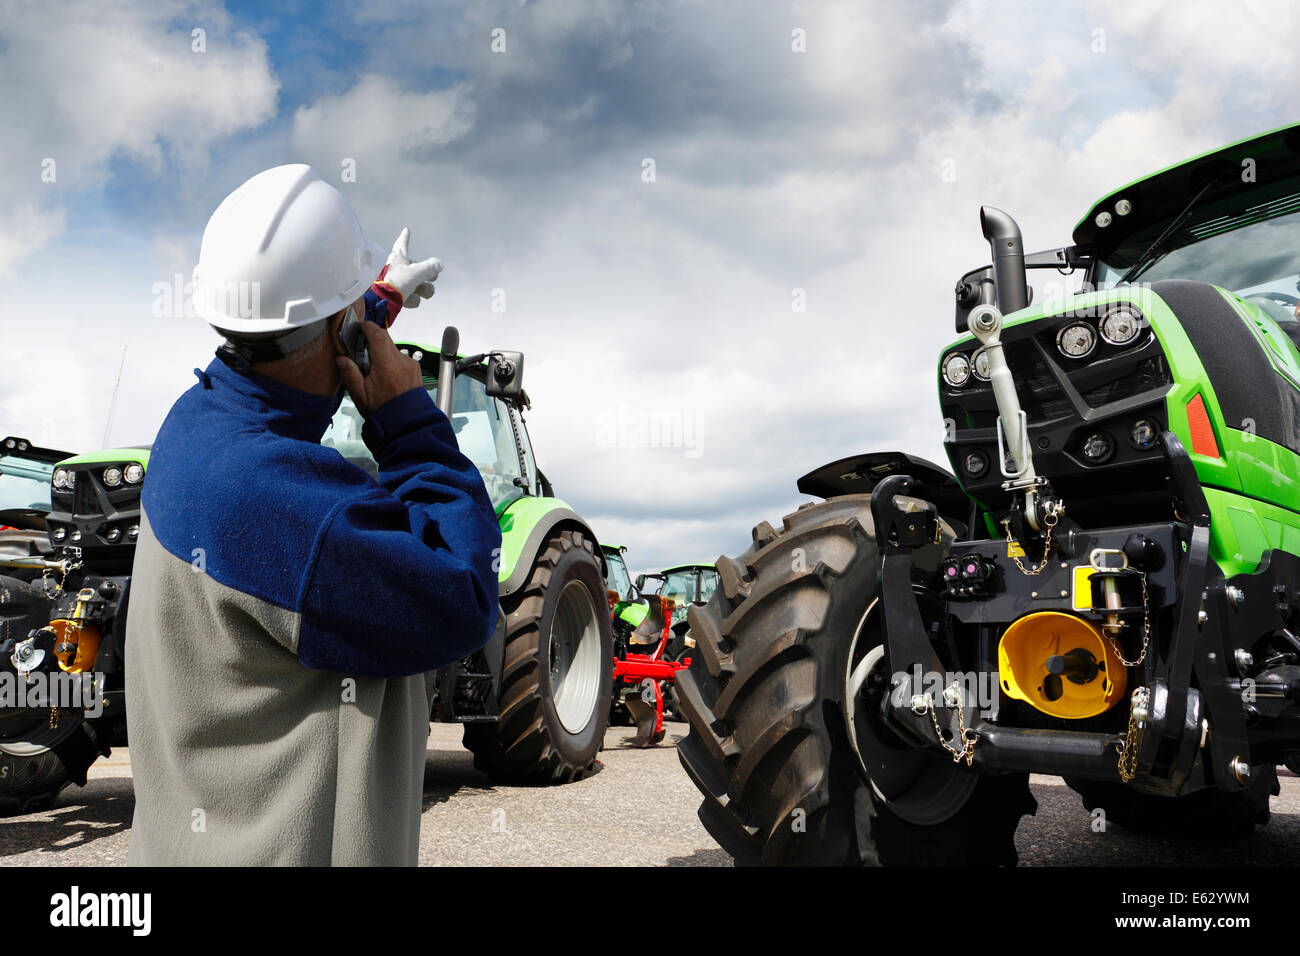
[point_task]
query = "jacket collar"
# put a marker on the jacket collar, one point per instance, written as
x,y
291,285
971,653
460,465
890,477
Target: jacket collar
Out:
x,y
281,409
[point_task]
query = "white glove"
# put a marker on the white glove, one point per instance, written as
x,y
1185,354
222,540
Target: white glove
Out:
x,y
414,280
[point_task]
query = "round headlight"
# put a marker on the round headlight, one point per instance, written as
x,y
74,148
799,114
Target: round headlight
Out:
x,y
1123,207
1103,220
76,536
1076,341
1098,447
956,370
1120,326
113,535
58,534
1144,433
134,473
133,532
112,477
61,478
979,363
9,443
975,463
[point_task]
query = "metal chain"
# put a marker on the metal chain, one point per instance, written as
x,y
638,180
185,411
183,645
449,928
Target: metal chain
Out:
x,y
1049,522
74,554
968,737
1127,763
1146,631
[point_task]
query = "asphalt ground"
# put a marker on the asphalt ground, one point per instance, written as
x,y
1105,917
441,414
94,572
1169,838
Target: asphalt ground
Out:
x,y
639,810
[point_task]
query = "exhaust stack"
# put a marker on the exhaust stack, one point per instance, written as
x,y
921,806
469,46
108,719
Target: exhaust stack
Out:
x,y
447,369
1008,251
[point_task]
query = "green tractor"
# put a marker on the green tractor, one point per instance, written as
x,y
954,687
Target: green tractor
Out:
x,y
66,566
687,586
1104,588
535,701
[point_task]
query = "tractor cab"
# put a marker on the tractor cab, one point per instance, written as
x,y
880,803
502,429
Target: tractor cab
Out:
x,y
488,421
617,580
25,472
1230,218
685,585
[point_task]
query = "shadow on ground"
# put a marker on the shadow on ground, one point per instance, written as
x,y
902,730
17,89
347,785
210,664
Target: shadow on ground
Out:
x,y
1062,833
447,773
702,858
81,816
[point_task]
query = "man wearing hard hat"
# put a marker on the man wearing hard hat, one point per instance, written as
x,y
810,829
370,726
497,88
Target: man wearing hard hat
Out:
x,y
284,604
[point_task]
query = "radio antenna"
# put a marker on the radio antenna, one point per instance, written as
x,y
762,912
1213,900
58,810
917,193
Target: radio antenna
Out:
x,y
112,405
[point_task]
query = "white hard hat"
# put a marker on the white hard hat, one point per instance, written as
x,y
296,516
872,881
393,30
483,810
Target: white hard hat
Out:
x,y
282,251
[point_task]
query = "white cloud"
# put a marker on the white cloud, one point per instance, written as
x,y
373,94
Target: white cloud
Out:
x,y
822,171
97,82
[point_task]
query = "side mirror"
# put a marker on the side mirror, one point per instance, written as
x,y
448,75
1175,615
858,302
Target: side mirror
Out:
x,y
640,582
505,378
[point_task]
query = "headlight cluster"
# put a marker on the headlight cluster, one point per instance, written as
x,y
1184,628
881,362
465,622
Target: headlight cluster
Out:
x,y
65,479
1119,326
958,367
113,535
132,474
1099,447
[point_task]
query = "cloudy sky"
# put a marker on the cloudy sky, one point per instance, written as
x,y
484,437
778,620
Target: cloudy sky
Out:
x,y
732,226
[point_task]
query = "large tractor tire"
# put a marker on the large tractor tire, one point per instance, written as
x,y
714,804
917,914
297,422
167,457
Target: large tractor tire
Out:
x,y
766,694
37,761
33,774
555,682
1208,814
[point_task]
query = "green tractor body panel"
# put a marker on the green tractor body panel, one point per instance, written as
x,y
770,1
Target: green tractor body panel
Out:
x,y
632,613
630,608
702,565
521,521
110,456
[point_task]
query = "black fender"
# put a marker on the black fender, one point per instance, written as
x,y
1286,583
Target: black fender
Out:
x,y
859,475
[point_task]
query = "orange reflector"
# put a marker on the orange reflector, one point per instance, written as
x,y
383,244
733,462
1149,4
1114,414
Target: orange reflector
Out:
x,y
1198,422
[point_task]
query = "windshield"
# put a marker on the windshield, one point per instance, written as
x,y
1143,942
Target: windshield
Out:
x,y
616,576
24,484
483,433
679,587
1260,262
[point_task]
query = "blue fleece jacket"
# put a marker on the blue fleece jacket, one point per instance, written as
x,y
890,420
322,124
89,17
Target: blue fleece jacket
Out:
x,y
390,577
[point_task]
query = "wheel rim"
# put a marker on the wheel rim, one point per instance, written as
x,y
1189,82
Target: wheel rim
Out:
x,y
22,749
36,737
918,786
574,652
